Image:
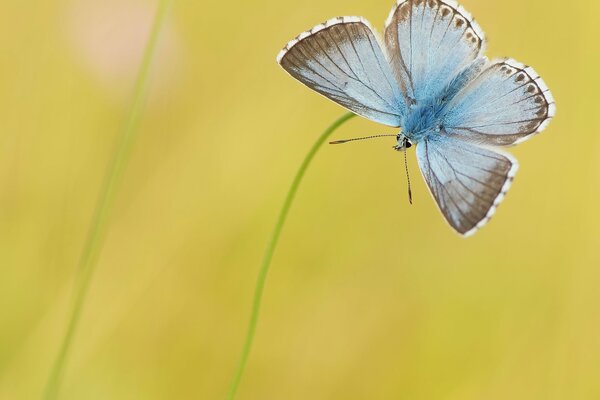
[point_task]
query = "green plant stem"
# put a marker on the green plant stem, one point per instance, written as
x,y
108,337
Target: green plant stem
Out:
x,y
97,231
268,255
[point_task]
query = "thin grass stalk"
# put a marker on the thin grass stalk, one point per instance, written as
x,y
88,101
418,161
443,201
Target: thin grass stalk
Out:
x,y
97,231
268,255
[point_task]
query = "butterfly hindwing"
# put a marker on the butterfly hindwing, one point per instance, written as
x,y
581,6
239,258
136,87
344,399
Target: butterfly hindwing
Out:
x,y
430,42
342,60
504,105
466,181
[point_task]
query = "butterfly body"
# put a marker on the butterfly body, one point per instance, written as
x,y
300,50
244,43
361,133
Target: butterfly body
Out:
x,y
423,119
431,79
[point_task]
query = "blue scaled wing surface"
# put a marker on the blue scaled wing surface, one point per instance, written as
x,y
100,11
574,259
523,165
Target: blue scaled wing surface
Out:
x,y
505,104
430,42
467,181
343,60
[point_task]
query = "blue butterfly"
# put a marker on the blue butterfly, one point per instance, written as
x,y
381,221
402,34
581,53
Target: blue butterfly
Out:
x,y
429,77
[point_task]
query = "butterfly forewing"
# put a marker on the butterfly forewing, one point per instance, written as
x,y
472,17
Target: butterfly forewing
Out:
x,y
342,60
506,104
466,181
429,42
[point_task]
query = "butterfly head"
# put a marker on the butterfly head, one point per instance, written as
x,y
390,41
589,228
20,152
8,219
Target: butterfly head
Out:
x,y
403,143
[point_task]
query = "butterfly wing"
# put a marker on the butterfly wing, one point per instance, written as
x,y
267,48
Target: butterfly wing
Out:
x,y
467,182
505,104
429,43
342,60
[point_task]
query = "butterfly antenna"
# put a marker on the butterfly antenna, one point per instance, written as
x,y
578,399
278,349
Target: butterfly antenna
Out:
x,y
407,176
361,138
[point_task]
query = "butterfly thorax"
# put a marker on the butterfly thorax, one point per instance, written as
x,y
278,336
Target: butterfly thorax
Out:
x,y
424,118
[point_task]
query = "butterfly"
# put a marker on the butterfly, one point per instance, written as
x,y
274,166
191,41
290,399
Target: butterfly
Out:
x,y
429,77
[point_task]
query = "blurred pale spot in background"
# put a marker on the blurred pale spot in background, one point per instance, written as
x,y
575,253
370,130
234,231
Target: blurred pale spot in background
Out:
x,y
109,38
368,297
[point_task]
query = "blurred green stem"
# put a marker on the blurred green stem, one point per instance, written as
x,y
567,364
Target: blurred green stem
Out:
x,y
268,255
97,230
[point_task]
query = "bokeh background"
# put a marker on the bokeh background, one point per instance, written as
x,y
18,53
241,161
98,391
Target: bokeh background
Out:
x,y
368,297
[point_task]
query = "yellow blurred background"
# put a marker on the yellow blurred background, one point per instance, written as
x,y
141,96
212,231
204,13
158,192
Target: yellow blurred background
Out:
x,y
368,297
